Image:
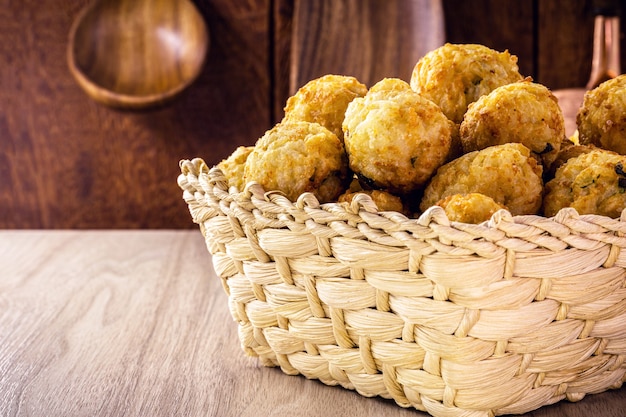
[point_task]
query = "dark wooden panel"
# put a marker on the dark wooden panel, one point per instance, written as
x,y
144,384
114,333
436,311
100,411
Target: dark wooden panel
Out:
x,y
281,30
564,43
553,39
498,24
367,39
67,162
565,40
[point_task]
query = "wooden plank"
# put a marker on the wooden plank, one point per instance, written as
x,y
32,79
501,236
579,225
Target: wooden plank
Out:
x,y
564,43
369,39
139,325
145,332
500,25
281,33
67,162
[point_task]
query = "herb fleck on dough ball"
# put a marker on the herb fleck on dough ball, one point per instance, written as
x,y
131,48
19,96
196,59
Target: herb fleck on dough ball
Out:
x,y
297,157
395,139
592,183
324,100
455,75
506,173
523,112
601,119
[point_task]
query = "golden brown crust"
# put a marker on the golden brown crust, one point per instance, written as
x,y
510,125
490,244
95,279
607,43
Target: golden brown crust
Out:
x,y
593,182
384,200
395,139
296,157
469,208
455,75
522,112
456,146
507,173
233,166
601,119
568,150
324,100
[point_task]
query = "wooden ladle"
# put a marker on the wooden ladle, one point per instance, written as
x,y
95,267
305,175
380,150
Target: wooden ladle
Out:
x,y
137,54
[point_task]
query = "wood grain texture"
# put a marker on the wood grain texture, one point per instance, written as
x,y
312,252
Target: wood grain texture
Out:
x,y
135,323
163,56
501,25
564,43
68,162
553,39
369,40
281,29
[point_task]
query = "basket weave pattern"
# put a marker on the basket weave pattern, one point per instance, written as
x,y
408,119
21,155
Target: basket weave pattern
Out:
x,y
449,318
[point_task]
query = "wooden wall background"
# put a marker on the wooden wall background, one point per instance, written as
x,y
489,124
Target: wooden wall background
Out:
x,y
68,162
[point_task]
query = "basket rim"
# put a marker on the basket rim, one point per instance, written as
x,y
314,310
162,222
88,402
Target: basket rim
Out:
x,y
264,208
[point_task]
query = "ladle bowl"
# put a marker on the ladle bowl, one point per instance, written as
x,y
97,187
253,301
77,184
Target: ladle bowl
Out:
x,y
137,54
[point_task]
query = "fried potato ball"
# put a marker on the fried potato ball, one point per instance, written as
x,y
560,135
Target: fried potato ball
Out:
x,y
455,75
568,150
456,146
233,166
324,100
395,139
601,119
592,183
469,208
296,157
507,173
388,86
384,200
523,112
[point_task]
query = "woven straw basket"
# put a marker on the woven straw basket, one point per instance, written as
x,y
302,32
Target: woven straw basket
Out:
x,y
449,318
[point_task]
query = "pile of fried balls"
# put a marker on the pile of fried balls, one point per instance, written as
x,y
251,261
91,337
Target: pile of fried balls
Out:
x,y
468,133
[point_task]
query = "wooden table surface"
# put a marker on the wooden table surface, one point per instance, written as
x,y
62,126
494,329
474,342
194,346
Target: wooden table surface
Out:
x,y
135,323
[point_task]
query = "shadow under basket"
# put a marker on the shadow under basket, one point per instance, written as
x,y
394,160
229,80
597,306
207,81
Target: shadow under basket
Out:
x,y
450,318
